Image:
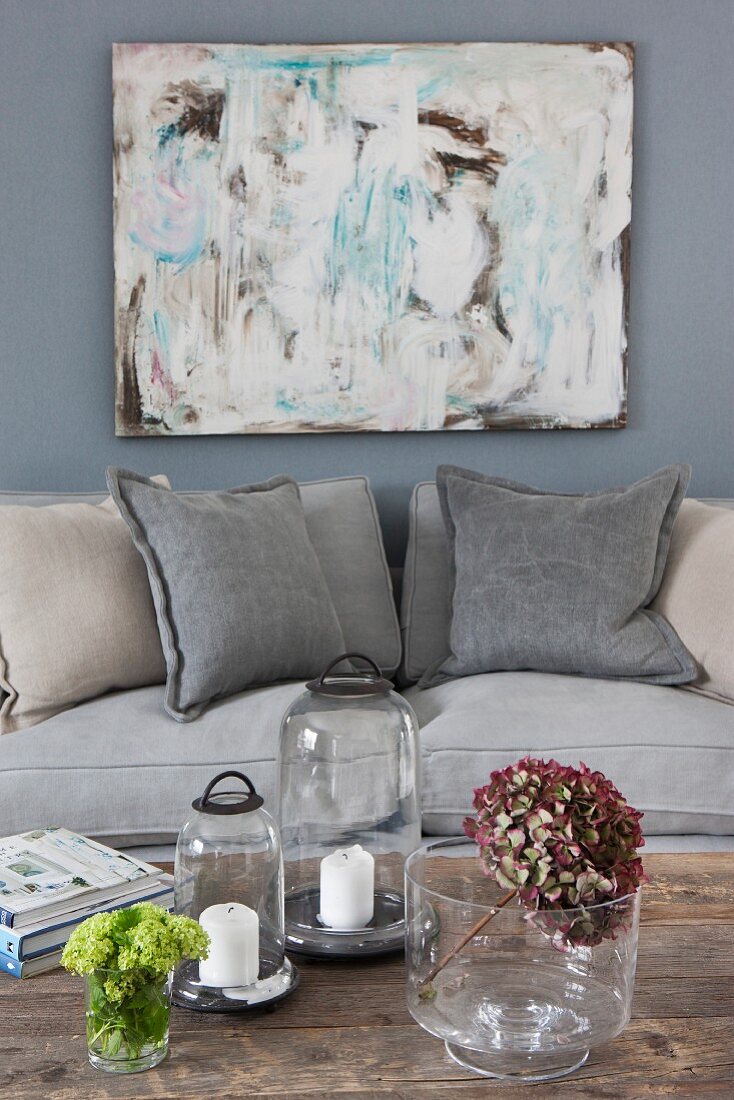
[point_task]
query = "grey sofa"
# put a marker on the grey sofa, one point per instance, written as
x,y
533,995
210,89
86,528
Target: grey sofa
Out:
x,y
118,768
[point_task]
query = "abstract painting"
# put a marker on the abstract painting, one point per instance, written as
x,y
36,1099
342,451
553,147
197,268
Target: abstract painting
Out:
x,y
371,237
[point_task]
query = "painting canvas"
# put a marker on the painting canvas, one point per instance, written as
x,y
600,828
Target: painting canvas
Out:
x,y
371,237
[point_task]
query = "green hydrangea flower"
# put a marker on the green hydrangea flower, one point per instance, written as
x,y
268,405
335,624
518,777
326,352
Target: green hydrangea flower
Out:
x,y
127,955
143,940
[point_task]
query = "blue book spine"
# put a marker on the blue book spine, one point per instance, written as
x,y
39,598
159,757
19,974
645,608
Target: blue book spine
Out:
x,y
7,916
17,968
11,966
19,945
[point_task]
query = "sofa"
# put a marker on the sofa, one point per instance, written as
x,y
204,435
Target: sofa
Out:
x,y
118,768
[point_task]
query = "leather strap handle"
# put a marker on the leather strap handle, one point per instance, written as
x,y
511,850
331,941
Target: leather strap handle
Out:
x,y
227,775
377,672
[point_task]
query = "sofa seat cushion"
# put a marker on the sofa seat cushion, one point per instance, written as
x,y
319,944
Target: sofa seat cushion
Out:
x,y
670,752
118,769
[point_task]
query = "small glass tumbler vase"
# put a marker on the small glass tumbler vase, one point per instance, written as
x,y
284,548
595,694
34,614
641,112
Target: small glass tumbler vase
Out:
x,y
128,1014
514,994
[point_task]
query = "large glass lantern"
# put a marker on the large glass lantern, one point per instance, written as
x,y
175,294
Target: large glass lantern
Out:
x,y
349,812
229,876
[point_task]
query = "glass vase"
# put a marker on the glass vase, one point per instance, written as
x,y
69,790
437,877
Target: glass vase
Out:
x,y
128,1014
514,994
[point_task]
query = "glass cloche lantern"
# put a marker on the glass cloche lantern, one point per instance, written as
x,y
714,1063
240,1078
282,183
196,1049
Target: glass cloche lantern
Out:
x,y
229,877
349,812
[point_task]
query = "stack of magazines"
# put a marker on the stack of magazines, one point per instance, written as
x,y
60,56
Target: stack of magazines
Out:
x,y
51,880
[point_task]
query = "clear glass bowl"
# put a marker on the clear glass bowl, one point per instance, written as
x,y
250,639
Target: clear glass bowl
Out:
x,y
501,986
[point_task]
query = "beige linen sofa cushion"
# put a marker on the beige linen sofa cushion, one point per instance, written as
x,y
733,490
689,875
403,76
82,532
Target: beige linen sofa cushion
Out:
x,y
697,593
76,613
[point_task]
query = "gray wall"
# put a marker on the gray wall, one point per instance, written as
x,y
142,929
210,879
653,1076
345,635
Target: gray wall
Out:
x,y
56,351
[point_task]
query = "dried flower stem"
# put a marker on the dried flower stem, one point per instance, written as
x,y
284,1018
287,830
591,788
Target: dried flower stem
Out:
x,y
477,928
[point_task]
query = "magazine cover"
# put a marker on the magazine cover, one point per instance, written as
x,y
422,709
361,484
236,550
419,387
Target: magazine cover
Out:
x,y
54,865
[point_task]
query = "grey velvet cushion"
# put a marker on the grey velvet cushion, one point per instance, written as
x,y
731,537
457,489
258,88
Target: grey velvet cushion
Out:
x,y
425,612
239,593
343,525
557,582
669,751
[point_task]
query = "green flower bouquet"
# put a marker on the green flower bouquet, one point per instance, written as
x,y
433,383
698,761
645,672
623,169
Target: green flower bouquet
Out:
x,y
127,957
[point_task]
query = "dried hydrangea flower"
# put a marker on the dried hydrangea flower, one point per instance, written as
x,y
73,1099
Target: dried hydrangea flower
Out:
x,y
565,839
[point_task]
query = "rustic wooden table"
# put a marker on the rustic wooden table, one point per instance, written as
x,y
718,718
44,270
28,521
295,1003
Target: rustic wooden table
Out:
x,y
346,1032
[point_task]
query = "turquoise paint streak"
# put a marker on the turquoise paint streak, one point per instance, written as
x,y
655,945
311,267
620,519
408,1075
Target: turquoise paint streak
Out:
x,y
535,196
298,409
253,59
183,257
265,59
284,404
431,88
370,238
160,327
282,215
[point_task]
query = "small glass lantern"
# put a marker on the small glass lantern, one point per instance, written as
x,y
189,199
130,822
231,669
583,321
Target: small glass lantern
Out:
x,y
349,811
229,877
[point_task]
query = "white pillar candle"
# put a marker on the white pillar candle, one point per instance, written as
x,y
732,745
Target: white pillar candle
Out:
x,y
234,951
347,888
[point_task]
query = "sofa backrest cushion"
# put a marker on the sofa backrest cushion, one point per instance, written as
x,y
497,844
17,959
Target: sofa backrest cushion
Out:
x,y
425,610
425,606
697,594
343,525
76,614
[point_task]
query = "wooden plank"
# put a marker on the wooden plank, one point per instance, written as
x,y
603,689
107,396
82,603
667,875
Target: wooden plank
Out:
x,y
658,942
685,951
662,914
378,1002
679,882
680,998
346,1031
689,879
328,1062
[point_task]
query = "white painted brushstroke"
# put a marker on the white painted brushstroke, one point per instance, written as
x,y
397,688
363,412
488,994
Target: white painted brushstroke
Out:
x,y
353,280
449,252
